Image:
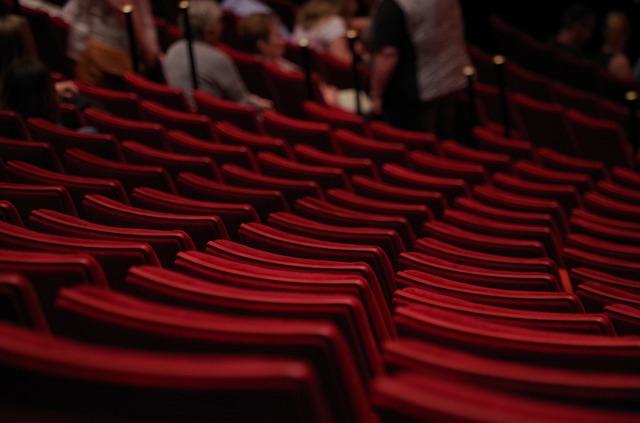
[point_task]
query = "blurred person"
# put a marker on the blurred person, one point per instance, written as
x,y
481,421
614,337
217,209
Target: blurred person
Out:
x,y
578,23
27,88
419,53
612,56
217,74
16,40
259,34
100,42
324,23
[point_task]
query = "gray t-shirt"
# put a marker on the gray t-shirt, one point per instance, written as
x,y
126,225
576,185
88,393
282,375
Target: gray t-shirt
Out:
x,y
217,74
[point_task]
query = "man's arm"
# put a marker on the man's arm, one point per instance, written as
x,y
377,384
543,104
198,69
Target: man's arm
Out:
x,y
384,63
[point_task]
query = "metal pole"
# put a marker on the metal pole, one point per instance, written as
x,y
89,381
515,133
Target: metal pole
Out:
x,y
500,63
470,73
352,37
184,8
127,10
632,104
306,65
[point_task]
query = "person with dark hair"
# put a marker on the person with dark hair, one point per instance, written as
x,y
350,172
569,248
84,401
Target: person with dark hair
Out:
x,y
16,40
27,89
578,23
217,74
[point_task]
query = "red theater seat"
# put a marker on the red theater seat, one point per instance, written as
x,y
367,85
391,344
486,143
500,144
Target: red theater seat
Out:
x,y
230,134
163,94
20,304
126,129
26,197
351,165
201,228
298,131
37,153
166,243
197,125
221,110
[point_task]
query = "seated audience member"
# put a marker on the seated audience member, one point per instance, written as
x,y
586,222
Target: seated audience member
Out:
x,y
100,42
324,23
243,8
612,56
16,40
259,34
217,74
578,22
27,88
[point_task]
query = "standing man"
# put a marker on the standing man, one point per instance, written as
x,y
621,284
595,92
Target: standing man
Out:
x,y
419,53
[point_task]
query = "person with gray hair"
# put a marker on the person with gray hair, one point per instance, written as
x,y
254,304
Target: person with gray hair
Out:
x,y
216,73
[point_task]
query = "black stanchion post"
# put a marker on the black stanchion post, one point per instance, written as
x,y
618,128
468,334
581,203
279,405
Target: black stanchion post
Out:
x,y
306,64
352,37
127,10
632,104
500,63
470,73
184,8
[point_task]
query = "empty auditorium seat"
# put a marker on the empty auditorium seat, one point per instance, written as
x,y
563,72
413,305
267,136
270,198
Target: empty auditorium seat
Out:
x,y
566,195
12,126
77,186
166,243
232,214
324,211
563,162
221,153
536,173
453,253
383,191
221,110
573,98
584,274
607,221
292,189
579,351
603,247
492,162
386,239
159,327
163,94
27,197
576,257
62,138
593,323
127,129
121,384
612,208
492,244
197,125
352,144
490,278
327,177
599,139
594,388
9,213
619,192
625,318
228,133
298,131
261,236
264,201
19,303
37,153
416,214
372,293
626,176
114,256
596,296
288,90
410,397
411,139
445,167
119,103
489,141
351,165
201,228
173,163
334,117
400,175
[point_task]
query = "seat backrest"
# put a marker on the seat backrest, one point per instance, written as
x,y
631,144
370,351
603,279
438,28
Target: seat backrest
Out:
x,y
170,97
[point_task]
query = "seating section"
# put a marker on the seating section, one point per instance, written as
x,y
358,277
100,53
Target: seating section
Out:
x,y
190,259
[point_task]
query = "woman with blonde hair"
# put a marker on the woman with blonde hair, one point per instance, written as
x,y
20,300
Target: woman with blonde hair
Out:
x,y
324,23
